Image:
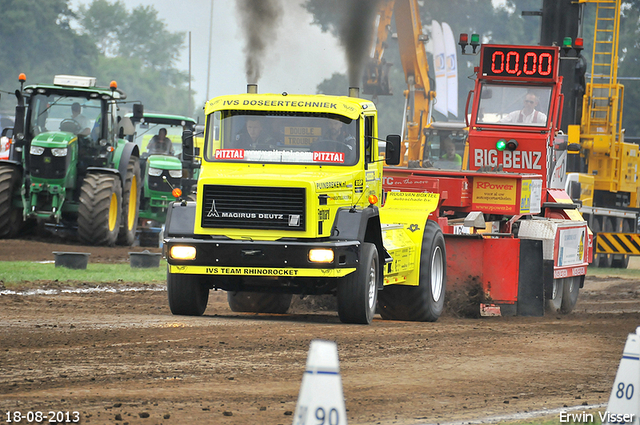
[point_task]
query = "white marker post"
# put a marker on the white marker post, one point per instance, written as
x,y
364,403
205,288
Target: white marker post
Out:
x,y
320,401
624,402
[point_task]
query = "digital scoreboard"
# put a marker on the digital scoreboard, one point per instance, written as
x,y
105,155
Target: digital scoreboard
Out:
x,y
519,62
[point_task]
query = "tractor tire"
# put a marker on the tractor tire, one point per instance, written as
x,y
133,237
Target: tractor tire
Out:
x,y
99,213
622,261
570,290
425,302
358,291
259,302
188,294
130,204
553,296
10,217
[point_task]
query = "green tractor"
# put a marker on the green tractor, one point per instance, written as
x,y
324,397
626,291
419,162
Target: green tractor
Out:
x,y
165,167
69,169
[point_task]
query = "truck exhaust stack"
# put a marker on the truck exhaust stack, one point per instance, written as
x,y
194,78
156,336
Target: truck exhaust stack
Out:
x,y
354,92
252,88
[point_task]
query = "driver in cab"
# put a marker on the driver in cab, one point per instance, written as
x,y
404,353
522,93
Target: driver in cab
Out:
x,y
81,120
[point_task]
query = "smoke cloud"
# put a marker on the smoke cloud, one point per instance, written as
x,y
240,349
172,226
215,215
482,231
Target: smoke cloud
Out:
x,y
259,20
356,34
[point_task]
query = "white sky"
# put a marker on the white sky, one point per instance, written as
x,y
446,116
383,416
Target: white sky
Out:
x,y
301,57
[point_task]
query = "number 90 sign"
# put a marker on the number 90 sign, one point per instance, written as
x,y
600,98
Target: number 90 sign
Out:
x,y
519,62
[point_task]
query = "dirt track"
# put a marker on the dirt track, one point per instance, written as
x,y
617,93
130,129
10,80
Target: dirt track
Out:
x,y
118,357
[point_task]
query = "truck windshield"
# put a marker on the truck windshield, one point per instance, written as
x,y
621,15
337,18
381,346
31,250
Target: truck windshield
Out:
x,y
514,105
287,138
63,113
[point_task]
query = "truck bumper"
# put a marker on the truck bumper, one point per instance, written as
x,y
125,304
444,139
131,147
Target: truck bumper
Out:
x,y
263,259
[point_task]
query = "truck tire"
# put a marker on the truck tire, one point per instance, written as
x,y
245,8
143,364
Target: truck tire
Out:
x,y
259,302
571,287
188,294
553,296
622,261
10,217
99,212
425,302
358,291
130,204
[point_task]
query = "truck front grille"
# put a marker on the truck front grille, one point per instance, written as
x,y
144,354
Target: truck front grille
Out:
x,y
47,166
254,207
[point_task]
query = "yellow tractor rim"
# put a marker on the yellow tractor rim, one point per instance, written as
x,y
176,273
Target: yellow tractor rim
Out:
x,y
132,203
113,212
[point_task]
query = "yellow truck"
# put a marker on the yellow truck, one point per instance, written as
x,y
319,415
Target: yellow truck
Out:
x,y
289,202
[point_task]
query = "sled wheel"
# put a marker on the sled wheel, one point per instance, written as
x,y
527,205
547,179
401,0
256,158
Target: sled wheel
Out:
x,y
425,302
130,204
622,262
259,302
571,287
99,212
554,295
188,294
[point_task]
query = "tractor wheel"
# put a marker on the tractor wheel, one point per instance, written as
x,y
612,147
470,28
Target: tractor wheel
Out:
x,y
259,302
358,291
99,212
130,204
188,294
622,262
10,217
553,296
570,291
425,302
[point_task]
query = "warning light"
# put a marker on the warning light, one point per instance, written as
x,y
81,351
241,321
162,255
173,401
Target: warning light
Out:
x,y
22,77
566,44
463,42
475,41
177,192
373,199
113,85
512,144
501,145
579,44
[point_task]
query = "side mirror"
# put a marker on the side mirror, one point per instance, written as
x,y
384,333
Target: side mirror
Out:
x,y
7,132
187,144
392,151
138,111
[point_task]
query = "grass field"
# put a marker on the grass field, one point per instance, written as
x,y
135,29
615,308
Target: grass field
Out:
x,y
17,273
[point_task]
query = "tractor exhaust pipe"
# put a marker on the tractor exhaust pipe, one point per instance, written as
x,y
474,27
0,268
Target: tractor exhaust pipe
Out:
x,y
354,91
252,88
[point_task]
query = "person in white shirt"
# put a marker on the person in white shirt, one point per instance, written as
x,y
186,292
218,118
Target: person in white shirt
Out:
x,y
528,114
83,122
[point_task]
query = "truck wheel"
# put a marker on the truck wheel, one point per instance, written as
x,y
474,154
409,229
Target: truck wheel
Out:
x,y
554,295
188,295
570,290
10,217
258,302
425,302
130,204
99,211
622,262
358,291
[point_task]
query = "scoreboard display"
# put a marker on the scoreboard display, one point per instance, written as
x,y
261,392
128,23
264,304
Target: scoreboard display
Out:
x,y
519,62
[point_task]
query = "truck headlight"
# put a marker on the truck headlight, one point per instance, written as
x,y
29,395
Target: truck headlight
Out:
x,y
176,174
182,252
59,152
155,171
321,255
36,150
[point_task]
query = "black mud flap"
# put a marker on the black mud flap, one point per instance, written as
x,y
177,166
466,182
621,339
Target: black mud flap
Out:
x,y
532,277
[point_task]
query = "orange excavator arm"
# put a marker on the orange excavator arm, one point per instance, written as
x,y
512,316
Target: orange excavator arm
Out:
x,y
419,97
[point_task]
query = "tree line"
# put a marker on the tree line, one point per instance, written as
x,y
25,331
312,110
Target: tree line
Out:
x,y
101,39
